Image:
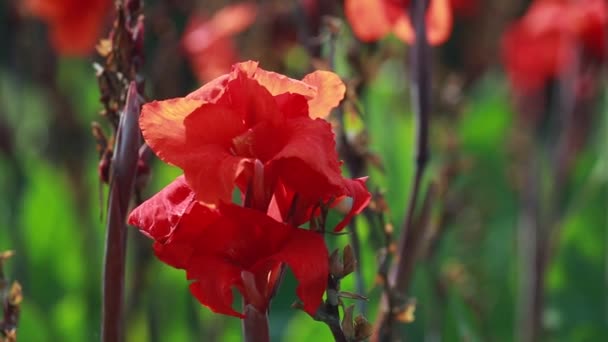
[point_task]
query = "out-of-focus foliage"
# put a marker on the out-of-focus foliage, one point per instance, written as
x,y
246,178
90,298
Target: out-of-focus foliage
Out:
x,y
465,286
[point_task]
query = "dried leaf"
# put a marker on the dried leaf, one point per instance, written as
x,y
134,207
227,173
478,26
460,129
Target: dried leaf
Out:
x,y
348,326
336,267
349,261
406,314
363,329
104,47
6,255
351,295
15,295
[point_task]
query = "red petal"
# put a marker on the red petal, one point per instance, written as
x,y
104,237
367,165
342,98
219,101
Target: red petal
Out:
x,y
251,100
308,162
162,125
304,251
212,173
75,25
275,83
215,278
210,124
360,196
307,256
158,216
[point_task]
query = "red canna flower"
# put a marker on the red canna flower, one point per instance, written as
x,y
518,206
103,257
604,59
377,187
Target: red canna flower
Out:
x,y
75,25
549,37
258,131
208,43
372,20
231,247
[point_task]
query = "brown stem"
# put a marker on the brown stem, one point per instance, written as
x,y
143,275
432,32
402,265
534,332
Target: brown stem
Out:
x,y
255,324
124,167
420,92
420,84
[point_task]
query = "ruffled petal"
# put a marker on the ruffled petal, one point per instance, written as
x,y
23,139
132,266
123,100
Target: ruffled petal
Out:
x,y
275,83
308,162
303,251
160,214
212,173
307,257
211,124
214,278
330,91
367,19
162,125
359,196
251,100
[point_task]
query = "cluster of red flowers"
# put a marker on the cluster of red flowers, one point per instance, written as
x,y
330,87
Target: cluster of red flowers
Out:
x,y
551,36
263,134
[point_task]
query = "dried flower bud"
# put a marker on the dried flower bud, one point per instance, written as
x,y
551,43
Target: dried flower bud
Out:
x,y
363,329
336,267
405,314
349,261
6,255
348,326
15,295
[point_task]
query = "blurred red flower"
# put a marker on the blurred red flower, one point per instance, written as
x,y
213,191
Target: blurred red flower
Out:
x,y
551,36
256,130
372,20
208,44
75,25
464,8
231,247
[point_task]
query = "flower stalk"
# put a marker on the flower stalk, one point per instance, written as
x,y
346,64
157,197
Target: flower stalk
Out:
x,y
255,324
124,169
420,87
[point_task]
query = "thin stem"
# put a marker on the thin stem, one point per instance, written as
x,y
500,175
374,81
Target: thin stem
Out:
x,y
124,167
420,92
527,247
420,86
332,310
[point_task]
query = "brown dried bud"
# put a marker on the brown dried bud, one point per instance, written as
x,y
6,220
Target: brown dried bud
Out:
x,y
104,47
348,326
363,329
6,255
336,267
15,295
349,261
405,314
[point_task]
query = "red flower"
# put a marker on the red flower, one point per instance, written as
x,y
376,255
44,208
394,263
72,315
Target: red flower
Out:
x,y
208,43
231,247
75,24
256,130
372,20
464,8
546,40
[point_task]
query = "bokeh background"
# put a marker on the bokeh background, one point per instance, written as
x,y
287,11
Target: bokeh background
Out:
x,y
467,275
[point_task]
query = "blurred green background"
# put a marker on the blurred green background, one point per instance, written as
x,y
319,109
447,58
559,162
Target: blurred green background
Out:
x,y
51,206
